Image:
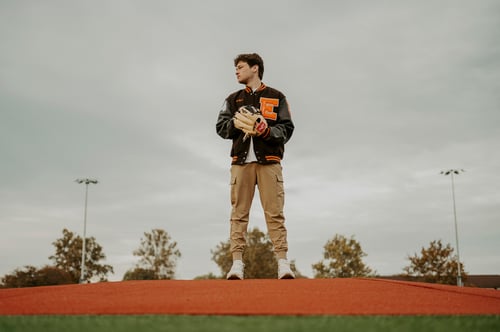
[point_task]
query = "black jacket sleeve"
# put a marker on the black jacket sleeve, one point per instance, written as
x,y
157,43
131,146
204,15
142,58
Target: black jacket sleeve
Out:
x,y
225,125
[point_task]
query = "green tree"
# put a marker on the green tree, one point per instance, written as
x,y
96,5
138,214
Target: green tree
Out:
x,y
258,257
436,264
139,274
30,276
158,257
20,278
51,275
343,258
68,257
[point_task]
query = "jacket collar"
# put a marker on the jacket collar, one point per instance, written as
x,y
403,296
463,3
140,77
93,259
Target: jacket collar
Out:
x,y
261,87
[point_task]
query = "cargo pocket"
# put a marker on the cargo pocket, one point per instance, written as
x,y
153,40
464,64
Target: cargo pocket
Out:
x,y
280,191
233,190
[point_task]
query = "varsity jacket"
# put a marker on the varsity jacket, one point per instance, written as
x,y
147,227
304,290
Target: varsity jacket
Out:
x,y
270,146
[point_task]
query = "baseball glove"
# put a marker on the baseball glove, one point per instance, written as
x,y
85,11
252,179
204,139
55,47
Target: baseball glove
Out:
x,y
250,121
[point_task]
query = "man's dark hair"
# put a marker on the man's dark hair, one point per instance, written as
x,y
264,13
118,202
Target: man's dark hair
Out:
x,y
252,59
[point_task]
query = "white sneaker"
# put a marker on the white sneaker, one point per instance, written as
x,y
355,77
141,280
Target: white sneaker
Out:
x,y
284,271
236,272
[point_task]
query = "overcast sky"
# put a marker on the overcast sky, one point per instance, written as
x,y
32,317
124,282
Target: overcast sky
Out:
x,y
384,96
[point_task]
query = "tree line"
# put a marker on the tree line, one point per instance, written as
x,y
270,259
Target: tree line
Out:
x,y
158,255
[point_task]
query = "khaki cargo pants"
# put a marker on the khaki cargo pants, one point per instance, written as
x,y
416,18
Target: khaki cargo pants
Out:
x,y
269,180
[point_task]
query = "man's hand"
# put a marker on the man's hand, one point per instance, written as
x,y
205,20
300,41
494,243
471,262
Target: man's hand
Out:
x,y
245,124
260,125
250,121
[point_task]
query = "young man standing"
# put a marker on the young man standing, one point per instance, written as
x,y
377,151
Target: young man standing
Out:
x,y
258,146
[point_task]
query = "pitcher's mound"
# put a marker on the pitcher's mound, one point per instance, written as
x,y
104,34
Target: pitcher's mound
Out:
x,y
252,297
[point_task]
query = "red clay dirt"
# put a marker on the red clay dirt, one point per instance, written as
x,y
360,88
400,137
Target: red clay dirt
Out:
x,y
252,297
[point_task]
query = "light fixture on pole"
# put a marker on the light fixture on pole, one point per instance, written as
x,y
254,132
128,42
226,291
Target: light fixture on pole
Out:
x,y
453,172
87,181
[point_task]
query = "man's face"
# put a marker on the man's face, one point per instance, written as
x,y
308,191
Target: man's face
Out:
x,y
244,72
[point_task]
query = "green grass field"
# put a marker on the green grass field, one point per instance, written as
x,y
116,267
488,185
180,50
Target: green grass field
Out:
x,y
149,323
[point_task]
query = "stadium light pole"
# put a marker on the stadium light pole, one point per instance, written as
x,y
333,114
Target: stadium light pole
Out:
x,y
87,181
453,172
